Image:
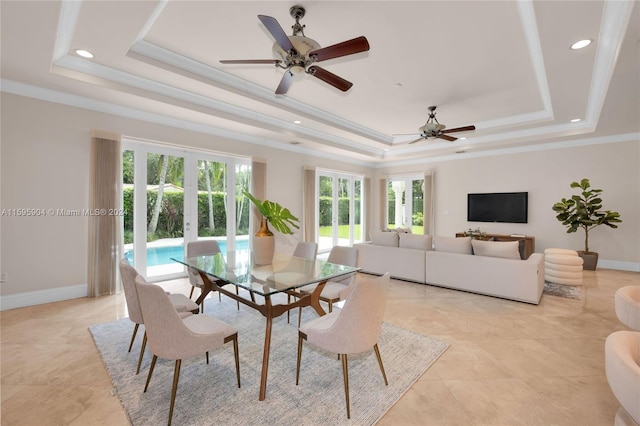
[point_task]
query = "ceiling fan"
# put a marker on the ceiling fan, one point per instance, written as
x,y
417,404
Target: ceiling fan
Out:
x,y
432,129
297,53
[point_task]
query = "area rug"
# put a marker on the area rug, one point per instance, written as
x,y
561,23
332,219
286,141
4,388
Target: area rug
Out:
x,y
208,394
561,290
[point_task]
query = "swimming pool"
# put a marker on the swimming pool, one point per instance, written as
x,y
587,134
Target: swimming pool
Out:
x,y
162,255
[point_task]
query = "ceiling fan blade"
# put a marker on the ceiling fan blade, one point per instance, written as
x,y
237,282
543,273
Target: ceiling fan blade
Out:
x,y
349,47
459,129
285,83
417,140
250,61
277,32
330,78
447,138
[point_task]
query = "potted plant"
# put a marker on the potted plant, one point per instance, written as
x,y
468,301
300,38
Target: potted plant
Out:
x,y
280,218
585,211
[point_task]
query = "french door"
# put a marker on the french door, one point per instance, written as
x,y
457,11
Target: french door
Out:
x,y
177,196
405,203
339,210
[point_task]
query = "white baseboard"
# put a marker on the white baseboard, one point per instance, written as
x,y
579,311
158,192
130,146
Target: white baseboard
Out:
x,y
32,298
621,266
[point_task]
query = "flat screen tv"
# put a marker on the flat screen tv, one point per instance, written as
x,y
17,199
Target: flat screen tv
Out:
x,y
509,207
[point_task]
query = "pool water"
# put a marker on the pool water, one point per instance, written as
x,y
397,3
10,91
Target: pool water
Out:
x,y
162,255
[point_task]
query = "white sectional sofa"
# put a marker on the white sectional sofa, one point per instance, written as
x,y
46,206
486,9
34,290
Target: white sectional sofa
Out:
x,y
495,269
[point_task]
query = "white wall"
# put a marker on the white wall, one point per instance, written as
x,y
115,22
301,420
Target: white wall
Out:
x,y
45,164
547,175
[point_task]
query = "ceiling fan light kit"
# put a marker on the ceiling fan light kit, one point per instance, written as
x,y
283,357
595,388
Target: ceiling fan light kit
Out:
x,y
297,53
433,129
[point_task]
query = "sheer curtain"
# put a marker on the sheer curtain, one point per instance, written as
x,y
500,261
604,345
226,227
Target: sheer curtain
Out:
x,y
309,205
258,189
105,220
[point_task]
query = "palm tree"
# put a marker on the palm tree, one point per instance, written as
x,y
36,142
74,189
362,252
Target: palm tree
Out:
x,y
153,223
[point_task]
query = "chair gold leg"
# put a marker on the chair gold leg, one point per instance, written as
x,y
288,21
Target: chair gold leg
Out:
x,y
153,364
300,337
299,316
384,376
236,357
238,294
174,389
207,357
144,345
191,292
345,375
135,330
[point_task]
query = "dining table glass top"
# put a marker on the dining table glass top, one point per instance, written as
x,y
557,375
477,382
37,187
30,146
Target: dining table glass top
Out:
x,y
285,273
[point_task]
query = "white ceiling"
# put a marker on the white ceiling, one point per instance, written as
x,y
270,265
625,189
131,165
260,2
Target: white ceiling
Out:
x,y
504,66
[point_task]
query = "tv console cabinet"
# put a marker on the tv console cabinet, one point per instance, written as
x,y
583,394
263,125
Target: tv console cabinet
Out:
x,y
529,241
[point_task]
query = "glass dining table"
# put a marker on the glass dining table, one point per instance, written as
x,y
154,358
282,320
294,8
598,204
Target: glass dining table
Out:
x,y
285,275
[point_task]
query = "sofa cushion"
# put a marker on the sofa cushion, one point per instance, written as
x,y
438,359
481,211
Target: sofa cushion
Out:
x,y
460,245
381,238
416,241
505,249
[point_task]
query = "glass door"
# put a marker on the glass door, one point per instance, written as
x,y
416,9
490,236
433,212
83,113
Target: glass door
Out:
x,y
405,203
339,210
172,197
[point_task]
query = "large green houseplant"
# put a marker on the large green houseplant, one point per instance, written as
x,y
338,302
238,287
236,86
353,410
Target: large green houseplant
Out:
x,y
584,211
280,218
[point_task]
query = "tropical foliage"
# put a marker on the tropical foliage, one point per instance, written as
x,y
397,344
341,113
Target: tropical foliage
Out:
x,y
278,216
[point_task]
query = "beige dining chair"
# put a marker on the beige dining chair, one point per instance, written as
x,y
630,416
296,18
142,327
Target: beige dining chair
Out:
x,y
341,255
201,248
174,338
351,330
180,302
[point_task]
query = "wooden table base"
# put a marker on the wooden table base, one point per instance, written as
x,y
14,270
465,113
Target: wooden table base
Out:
x,y
268,310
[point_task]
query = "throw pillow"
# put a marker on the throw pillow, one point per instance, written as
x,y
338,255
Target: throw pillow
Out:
x,y
381,238
415,241
453,244
505,249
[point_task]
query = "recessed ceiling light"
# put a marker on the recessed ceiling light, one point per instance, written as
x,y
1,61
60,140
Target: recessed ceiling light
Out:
x,y
294,143
575,120
84,53
580,44
297,122
397,85
462,138
386,149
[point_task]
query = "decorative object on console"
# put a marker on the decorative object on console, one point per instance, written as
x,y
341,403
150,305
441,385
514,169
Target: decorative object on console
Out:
x,y
281,219
476,234
585,211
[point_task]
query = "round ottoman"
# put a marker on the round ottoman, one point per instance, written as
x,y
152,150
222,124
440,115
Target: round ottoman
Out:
x,y
622,368
562,266
627,302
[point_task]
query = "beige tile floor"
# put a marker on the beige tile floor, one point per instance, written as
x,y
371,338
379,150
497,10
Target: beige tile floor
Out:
x,y
509,363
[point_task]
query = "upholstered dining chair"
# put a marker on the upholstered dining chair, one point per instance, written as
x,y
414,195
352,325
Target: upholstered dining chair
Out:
x,y
330,294
352,330
180,302
200,248
175,338
305,250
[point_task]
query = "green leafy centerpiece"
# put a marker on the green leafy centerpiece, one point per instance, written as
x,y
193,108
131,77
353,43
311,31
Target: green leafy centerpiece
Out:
x,y
282,221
